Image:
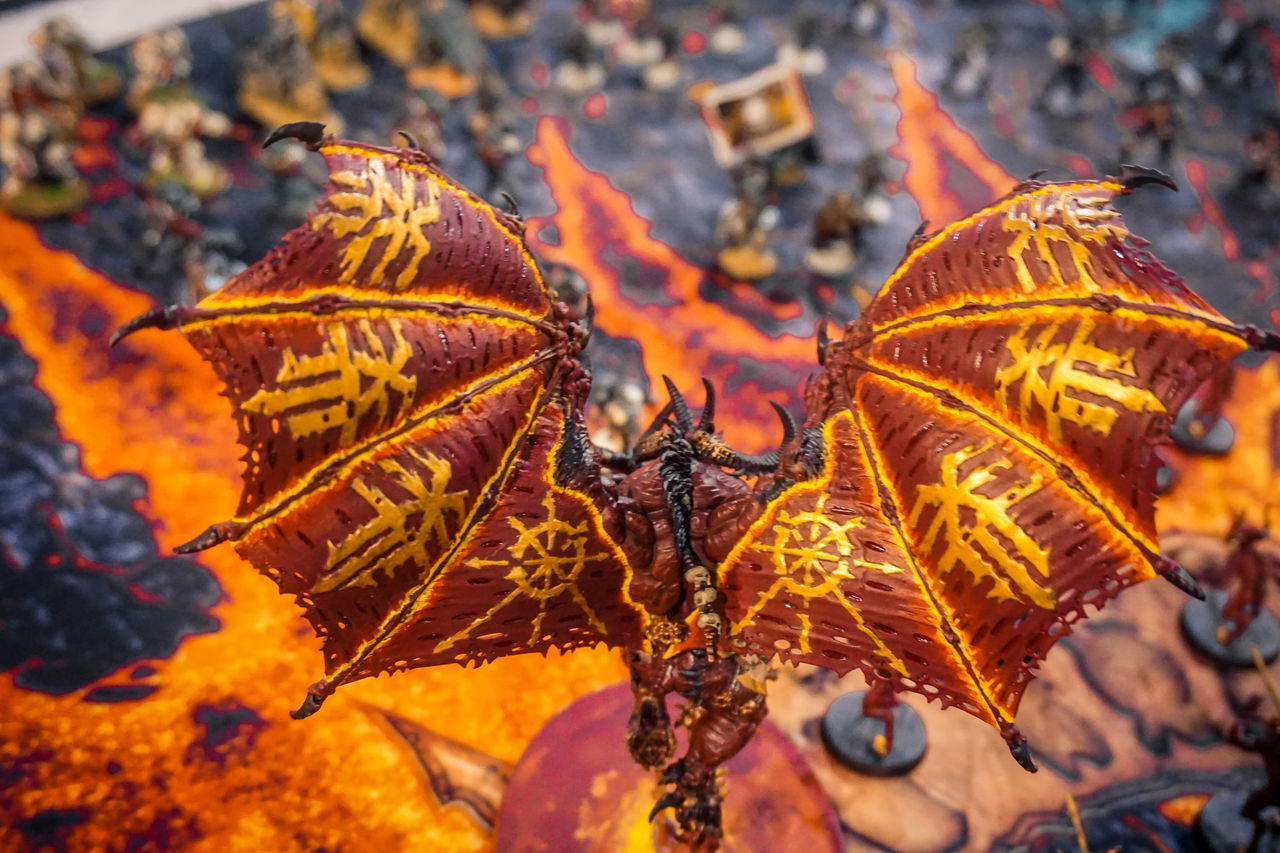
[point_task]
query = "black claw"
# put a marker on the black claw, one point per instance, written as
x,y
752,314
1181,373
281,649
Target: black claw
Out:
x,y
669,800
706,423
308,707
1179,577
213,535
309,133
409,141
165,318
1034,175
512,207
684,417
1133,177
1022,754
824,340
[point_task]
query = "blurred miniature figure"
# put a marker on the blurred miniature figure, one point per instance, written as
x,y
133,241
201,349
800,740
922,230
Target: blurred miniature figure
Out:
x,y
278,83
170,128
969,71
501,19
1154,117
492,133
803,53
867,18
391,28
1258,734
727,36
1237,820
742,226
580,72
839,224
666,72
35,150
643,46
604,29
76,76
620,402
1259,182
1243,58
333,48
177,252
449,56
1063,94
161,67
1233,626
1250,570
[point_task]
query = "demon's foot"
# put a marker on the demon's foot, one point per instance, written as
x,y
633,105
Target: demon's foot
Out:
x,y
696,800
650,737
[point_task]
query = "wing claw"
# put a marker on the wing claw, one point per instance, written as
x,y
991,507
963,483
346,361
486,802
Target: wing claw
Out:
x,y
309,133
1133,177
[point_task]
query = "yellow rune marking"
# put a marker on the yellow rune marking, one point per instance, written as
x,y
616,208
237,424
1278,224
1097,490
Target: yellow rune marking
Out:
x,y
1058,394
1082,221
400,532
981,546
812,555
544,563
352,383
396,214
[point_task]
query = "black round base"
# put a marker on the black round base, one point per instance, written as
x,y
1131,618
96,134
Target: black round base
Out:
x,y
850,736
1211,436
1225,830
1200,623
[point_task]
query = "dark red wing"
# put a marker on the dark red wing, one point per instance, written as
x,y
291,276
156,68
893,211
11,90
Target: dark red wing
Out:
x,y
402,380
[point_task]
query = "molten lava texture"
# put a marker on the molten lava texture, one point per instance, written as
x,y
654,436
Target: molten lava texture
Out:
x,y
927,139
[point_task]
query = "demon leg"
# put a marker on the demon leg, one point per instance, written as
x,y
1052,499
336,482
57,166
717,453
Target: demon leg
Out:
x,y
651,740
719,726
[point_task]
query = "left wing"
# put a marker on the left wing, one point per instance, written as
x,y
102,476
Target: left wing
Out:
x,y
409,401
980,466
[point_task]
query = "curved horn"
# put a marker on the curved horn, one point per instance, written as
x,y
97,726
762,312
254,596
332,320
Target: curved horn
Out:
x,y
684,417
789,426
706,423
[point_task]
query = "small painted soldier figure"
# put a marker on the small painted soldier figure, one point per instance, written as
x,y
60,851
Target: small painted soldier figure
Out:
x,y
334,52
161,67
39,179
969,71
1261,735
1063,93
1249,570
279,84
580,72
77,77
449,56
171,128
501,19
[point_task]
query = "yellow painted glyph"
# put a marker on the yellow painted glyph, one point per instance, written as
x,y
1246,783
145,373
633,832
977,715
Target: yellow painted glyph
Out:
x,y
544,563
1081,221
396,214
1053,376
389,540
812,555
977,530
337,387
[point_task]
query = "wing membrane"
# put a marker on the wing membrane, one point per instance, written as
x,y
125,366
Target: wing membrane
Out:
x,y
990,421
402,377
